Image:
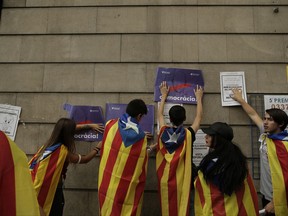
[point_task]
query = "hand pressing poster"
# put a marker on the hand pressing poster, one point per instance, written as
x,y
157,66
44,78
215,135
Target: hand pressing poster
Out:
x,y
181,82
9,118
86,115
114,110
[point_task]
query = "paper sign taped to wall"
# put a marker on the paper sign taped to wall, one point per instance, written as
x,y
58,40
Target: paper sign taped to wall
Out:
x,y
181,82
9,118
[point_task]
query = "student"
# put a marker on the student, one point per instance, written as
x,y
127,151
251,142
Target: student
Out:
x,y
174,155
273,156
123,163
223,185
17,194
49,165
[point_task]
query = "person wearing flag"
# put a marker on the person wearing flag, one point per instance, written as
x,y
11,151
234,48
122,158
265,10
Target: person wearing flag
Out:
x,y
17,194
49,165
273,156
174,155
123,163
224,185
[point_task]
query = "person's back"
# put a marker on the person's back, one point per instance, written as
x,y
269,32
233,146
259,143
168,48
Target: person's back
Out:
x,y
174,156
123,163
223,185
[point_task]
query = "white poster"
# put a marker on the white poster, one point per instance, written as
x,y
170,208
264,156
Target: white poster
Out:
x,y
228,81
199,147
9,117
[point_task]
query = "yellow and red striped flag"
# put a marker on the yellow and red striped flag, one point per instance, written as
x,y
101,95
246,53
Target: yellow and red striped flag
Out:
x,y
122,172
174,170
46,172
17,194
278,161
210,201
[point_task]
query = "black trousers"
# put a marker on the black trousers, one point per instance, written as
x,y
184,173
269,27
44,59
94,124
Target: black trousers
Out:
x,y
58,203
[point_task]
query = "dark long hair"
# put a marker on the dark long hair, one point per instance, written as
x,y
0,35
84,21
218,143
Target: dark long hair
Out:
x,y
63,133
230,169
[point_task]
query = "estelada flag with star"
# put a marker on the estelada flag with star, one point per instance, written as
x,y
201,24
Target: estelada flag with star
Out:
x,y
174,170
123,167
17,194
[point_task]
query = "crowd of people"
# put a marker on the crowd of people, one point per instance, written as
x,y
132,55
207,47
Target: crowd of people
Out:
x,y
220,185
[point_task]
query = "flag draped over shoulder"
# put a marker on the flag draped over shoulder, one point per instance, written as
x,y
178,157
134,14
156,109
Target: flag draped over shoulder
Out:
x,y
17,194
210,201
46,173
174,168
122,170
277,145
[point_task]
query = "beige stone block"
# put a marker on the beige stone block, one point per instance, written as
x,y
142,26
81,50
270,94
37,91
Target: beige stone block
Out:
x,y
14,3
238,116
57,48
10,48
120,78
132,2
172,19
24,21
146,48
151,204
72,20
267,21
8,98
27,138
61,77
185,48
21,78
286,48
33,48
229,2
126,98
41,107
225,19
151,179
272,78
212,48
122,19
103,48
255,48
242,139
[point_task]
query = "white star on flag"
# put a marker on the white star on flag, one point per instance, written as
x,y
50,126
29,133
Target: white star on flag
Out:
x,y
129,124
173,138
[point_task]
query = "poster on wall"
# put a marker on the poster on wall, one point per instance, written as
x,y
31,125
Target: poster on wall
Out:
x,y
115,110
276,101
181,82
86,115
199,147
9,118
228,81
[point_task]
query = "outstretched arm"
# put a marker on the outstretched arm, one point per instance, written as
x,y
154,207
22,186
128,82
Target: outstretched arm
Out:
x,y
97,127
164,89
80,159
199,110
253,115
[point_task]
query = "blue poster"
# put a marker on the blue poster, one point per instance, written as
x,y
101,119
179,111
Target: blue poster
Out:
x,y
86,115
181,82
114,110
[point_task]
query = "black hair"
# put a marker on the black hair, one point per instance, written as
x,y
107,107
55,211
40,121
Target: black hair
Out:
x,y
136,107
279,116
177,115
230,169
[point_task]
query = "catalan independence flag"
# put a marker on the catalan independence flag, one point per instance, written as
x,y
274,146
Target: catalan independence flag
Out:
x,y
210,201
17,194
46,173
277,145
123,167
174,168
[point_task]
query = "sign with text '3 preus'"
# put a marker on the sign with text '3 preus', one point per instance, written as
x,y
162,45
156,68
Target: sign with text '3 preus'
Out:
x,y
114,110
86,115
181,83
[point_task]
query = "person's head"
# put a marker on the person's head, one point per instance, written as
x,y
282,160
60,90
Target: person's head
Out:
x,y
177,115
275,121
136,109
63,132
217,134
